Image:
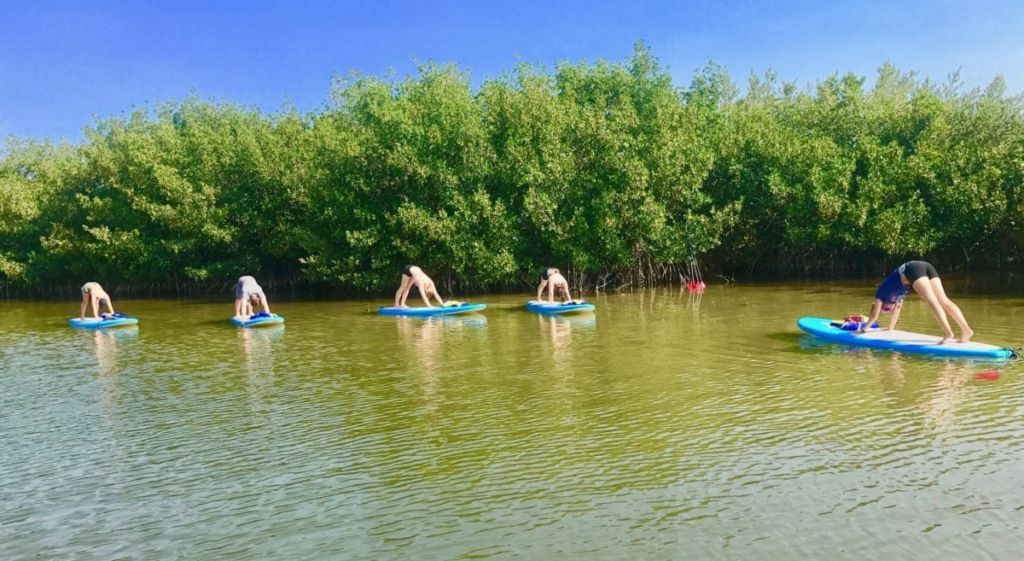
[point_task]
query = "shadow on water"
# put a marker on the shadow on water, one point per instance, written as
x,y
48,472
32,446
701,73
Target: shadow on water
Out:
x,y
785,336
217,322
795,343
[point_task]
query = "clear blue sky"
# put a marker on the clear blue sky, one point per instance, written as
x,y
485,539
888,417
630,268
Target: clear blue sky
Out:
x,y
64,62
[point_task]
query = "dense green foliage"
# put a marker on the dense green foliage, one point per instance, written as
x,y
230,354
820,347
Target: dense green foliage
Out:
x,y
606,170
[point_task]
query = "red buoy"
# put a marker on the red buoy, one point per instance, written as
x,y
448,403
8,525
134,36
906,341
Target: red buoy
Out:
x,y
988,375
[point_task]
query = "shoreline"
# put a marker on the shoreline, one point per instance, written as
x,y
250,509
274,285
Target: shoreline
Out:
x,y
991,282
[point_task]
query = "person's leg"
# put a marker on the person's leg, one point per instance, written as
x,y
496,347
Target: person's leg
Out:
x,y
958,316
923,286
403,291
408,282
238,307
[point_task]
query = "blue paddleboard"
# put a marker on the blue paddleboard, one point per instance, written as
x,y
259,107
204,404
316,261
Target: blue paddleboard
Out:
x,y
903,341
427,312
103,323
259,320
575,307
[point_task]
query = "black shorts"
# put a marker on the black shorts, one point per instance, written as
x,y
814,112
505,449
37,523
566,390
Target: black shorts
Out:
x,y
407,271
914,270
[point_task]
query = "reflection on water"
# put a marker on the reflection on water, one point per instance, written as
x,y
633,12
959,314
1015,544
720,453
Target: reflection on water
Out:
x,y
258,349
430,345
105,344
666,425
557,331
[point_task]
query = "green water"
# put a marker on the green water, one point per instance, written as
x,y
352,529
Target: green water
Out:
x,y
665,426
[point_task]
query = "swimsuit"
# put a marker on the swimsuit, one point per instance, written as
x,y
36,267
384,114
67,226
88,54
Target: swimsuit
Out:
x,y
914,270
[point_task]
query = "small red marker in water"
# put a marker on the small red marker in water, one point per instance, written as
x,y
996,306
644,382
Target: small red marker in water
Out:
x,y
988,375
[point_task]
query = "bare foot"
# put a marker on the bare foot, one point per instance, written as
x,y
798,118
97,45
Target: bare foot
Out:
x,y
966,335
949,337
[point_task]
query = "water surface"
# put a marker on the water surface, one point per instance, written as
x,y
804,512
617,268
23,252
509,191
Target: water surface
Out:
x,y
665,426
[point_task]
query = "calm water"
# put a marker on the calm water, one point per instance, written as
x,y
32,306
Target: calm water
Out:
x,y
663,427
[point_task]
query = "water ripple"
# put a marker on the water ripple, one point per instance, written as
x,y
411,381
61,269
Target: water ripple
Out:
x,y
664,427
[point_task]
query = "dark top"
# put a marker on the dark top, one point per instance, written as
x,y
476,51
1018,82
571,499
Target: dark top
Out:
x,y
891,291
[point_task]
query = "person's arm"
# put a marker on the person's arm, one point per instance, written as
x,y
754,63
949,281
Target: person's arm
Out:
x,y
263,302
876,310
568,297
425,294
110,305
895,315
540,289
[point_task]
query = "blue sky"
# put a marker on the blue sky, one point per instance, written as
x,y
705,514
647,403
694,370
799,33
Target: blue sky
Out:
x,y
63,63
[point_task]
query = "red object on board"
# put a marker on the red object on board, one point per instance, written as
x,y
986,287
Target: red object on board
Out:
x,y
695,286
988,375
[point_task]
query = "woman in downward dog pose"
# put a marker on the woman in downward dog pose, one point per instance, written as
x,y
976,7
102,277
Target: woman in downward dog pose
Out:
x,y
924,279
248,293
93,293
553,280
414,276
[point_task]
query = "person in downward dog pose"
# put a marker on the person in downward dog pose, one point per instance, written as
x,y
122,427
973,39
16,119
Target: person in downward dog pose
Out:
x,y
553,280
414,276
248,294
93,293
924,279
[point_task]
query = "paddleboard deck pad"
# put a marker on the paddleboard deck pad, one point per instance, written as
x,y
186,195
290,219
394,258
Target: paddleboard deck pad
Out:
x,y
559,308
902,341
258,321
428,312
103,323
